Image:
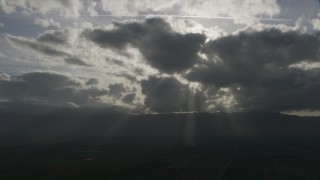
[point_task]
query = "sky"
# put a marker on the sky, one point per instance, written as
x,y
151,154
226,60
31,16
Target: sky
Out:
x,y
161,56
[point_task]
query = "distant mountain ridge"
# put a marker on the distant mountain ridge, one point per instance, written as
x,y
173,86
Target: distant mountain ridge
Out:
x,y
172,128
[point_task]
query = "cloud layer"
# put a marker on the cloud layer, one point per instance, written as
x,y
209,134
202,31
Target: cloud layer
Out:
x,y
67,8
260,69
256,70
162,48
48,88
49,44
168,65
229,9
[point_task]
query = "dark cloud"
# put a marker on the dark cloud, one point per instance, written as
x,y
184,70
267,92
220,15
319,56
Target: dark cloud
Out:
x,y
169,95
163,48
74,60
128,77
115,61
116,90
139,71
257,67
129,98
92,82
49,88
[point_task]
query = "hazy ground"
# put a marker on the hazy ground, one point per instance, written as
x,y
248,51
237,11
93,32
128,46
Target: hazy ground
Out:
x,y
75,145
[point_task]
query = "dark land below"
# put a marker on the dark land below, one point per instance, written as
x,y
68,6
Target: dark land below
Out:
x,y
96,144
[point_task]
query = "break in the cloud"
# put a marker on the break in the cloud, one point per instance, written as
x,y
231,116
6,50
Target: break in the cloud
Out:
x,y
162,48
47,88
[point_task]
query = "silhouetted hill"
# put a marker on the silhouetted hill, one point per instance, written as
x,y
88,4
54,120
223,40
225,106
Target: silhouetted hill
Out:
x,y
91,125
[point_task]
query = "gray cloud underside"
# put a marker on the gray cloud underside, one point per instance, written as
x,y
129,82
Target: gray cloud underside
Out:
x,y
116,90
258,58
258,68
115,61
74,60
168,95
129,98
162,48
50,88
92,82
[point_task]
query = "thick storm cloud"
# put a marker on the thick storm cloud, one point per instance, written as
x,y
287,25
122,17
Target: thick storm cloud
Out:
x,y
261,69
169,95
162,48
48,88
